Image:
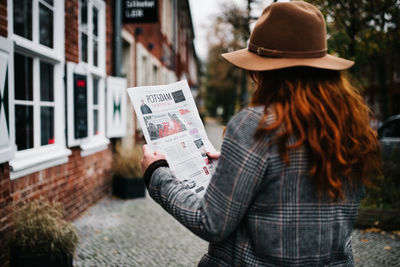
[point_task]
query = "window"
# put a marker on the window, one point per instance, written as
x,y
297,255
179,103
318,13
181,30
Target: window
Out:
x,y
144,72
83,30
23,18
88,109
95,37
38,67
95,105
90,31
155,75
91,67
25,22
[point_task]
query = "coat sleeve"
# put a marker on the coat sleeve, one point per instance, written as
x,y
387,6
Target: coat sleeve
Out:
x,y
241,168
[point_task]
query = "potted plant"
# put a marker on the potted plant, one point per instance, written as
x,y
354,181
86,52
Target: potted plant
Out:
x,y
127,175
41,237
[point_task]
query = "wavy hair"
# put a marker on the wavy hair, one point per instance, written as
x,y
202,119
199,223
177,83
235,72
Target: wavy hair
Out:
x,y
327,115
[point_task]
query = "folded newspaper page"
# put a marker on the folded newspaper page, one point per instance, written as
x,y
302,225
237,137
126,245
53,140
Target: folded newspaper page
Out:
x,y
171,124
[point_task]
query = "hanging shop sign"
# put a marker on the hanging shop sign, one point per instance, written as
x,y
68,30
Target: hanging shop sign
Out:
x,y
116,107
140,11
80,106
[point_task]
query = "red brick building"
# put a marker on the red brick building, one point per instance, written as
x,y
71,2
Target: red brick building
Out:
x,y
58,85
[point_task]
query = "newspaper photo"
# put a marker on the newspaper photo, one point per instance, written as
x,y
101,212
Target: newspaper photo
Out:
x,y
171,124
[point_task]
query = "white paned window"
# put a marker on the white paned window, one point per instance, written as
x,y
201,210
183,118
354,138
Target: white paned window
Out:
x,y
155,75
144,71
34,102
92,32
34,20
95,107
38,84
143,68
86,104
87,131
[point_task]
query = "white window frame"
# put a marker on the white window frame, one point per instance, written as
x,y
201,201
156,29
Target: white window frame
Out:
x,y
155,77
92,143
130,82
42,157
56,53
143,69
100,69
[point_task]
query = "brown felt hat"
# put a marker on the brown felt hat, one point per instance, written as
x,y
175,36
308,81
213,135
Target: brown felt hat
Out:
x,y
287,35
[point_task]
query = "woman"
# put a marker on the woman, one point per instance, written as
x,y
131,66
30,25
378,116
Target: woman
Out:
x,y
292,167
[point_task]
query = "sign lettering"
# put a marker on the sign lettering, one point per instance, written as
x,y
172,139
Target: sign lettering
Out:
x,y
140,11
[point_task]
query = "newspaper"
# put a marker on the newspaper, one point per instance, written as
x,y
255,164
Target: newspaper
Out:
x,y
171,124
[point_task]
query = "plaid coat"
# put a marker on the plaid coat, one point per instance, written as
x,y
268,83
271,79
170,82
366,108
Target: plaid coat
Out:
x,y
257,211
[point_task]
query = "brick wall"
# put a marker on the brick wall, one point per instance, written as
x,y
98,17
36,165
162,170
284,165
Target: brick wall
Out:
x,y
77,184
81,181
3,18
5,200
71,31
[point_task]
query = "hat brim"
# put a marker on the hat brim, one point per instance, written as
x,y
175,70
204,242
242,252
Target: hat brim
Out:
x,y
250,61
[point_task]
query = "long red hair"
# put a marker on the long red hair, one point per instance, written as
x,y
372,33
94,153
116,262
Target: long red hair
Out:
x,y
327,115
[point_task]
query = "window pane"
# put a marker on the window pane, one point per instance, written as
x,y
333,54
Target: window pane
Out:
x,y
22,16
23,77
46,26
84,47
95,21
84,13
24,126
47,125
50,2
95,91
95,121
95,53
46,82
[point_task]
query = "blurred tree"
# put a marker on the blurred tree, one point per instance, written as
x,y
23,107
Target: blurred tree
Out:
x,y
366,31
221,77
226,85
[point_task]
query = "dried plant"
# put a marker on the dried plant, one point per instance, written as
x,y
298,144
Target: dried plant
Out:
x,y
126,161
39,228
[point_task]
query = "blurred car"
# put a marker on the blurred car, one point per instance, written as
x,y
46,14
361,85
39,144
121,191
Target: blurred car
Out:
x,y
389,137
390,130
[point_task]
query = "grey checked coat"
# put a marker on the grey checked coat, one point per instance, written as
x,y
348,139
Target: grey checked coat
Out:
x,y
257,211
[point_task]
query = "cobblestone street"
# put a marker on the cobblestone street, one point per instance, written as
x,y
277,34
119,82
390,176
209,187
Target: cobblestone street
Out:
x,y
138,232
115,232
134,233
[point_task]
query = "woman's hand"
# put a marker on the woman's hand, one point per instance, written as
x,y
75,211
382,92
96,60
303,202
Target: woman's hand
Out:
x,y
215,155
149,157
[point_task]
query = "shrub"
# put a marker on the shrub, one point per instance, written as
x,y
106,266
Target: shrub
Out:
x,y
39,228
126,161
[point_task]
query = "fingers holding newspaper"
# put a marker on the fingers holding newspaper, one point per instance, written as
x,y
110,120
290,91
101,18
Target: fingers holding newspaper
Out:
x,y
149,157
214,155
